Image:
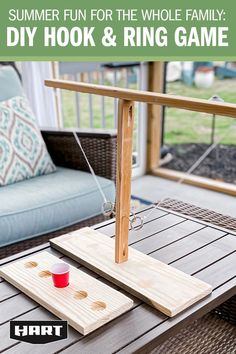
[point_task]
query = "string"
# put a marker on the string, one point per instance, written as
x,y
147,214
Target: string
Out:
x,y
91,169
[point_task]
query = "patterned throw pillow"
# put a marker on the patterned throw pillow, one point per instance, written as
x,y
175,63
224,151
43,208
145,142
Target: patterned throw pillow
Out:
x,y
23,153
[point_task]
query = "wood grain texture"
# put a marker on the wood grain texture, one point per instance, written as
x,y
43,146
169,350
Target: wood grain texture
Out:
x,y
154,128
197,181
158,284
101,305
192,104
123,179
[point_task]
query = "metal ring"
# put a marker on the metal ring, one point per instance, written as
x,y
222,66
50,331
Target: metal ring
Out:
x,y
108,208
134,220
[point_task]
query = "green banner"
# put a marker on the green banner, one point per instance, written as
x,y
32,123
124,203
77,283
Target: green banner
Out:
x,y
117,30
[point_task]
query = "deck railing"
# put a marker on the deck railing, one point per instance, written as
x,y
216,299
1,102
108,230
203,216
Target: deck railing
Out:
x,y
127,74
92,112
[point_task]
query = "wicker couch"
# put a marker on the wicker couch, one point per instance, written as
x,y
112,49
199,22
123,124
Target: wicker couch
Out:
x,y
100,148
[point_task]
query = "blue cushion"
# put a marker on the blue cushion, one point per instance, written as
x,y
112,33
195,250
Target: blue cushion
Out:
x,y
10,85
47,203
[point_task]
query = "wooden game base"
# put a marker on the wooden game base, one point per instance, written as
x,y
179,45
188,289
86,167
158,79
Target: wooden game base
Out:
x,y
86,303
164,287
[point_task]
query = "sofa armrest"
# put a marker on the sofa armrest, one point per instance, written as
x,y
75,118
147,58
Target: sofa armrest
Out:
x,y
99,146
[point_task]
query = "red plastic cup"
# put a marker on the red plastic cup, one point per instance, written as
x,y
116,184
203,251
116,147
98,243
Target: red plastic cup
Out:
x,y
60,274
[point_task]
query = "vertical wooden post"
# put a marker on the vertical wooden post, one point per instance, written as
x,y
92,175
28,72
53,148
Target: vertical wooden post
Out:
x,y
156,71
124,174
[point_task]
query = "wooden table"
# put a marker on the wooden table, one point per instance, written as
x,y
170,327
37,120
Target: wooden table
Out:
x,y
194,247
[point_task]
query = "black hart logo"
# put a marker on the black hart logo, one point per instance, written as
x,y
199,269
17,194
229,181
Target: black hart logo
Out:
x,y
38,332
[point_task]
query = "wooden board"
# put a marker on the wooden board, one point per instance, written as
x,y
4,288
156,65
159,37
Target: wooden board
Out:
x,y
160,285
86,303
189,103
123,178
154,122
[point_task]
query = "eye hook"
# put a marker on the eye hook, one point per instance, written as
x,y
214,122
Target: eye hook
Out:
x,y
108,208
136,223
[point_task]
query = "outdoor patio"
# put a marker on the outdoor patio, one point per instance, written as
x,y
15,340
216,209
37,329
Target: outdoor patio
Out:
x,y
132,277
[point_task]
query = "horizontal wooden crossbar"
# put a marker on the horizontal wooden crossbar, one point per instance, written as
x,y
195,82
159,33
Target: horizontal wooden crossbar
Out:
x,y
191,104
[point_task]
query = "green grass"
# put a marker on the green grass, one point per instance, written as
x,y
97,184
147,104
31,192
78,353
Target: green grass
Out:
x,y
183,126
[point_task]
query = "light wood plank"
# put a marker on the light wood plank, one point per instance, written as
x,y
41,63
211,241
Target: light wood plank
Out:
x,y
86,303
192,104
123,178
197,181
156,80
160,285
15,306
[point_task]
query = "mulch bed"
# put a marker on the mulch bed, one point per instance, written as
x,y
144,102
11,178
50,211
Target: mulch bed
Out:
x,y
219,165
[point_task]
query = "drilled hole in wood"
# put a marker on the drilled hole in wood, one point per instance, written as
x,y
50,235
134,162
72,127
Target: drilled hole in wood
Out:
x,y
80,295
130,116
130,112
98,306
31,264
124,250
45,274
